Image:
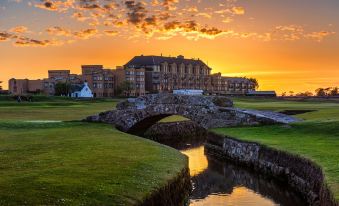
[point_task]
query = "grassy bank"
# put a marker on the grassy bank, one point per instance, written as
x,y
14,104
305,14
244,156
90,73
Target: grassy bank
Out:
x,y
76,163
317,138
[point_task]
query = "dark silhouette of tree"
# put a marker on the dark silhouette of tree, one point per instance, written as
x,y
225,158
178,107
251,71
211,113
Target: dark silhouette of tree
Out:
x,y
304,94
334,91
62,89
284,94
291,93
255,82
329,92
125,87
320,92
0,85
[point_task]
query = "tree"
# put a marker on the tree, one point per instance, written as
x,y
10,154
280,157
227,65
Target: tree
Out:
x,y
255,82
320,92
334,91
62,89
0,85
125,87
291,93
283,94
304,94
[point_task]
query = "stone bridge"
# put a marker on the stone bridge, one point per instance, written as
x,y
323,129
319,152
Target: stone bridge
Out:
x,y
137,115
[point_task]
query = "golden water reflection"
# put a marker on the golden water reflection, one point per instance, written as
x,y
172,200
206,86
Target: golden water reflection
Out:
x,y
197,160
241,196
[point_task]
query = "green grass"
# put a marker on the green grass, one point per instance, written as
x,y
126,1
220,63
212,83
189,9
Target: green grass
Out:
x,y
54,109
316,138
76,163
174,118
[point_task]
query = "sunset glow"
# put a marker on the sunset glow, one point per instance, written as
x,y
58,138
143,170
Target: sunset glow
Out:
x,y
287,44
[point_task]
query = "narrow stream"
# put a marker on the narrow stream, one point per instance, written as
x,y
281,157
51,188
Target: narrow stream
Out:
x,y
223,183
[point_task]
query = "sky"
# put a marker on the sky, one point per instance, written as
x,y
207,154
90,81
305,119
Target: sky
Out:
x,y
288,45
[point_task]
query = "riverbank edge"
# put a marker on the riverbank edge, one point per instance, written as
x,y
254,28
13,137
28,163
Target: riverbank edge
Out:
x,y
305,176
175,193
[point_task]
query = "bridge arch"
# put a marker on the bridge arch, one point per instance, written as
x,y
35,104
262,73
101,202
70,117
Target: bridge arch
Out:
x,y
137,115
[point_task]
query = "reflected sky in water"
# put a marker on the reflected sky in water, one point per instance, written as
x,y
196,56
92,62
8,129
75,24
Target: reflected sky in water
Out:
x,y
219,183
197,160
239,196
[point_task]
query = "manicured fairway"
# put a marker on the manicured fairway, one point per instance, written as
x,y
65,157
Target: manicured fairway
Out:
x,y
76,163
317,138
54,109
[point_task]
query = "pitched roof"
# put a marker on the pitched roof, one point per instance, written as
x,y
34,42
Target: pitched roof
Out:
x,y
141,61
76,87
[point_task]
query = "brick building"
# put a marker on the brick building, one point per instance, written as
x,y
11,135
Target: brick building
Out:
x,y
144,75
100,80
165,74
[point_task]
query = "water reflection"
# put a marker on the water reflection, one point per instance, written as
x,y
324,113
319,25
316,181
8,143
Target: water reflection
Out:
x,y
239,196
223,183
197,160
219,183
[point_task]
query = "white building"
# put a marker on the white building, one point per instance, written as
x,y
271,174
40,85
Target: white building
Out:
x,y
82,92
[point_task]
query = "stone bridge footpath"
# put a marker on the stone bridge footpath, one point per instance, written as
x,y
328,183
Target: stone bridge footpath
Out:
x,y
138,114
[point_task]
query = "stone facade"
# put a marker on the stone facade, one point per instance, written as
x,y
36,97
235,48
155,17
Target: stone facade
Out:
x,y
137,115
165,74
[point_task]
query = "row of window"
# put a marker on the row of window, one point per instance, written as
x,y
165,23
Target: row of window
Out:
x,y
140,79
100,78
100,85
139,86
136,73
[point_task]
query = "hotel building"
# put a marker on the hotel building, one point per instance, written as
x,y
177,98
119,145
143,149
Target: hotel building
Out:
x,y
165,74
145,74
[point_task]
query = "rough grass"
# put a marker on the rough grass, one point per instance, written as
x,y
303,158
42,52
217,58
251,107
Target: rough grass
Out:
x,y
76,163
317,138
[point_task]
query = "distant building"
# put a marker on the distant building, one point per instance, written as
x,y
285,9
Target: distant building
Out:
x,y
143,75
165,74
82,92
262,93
101,81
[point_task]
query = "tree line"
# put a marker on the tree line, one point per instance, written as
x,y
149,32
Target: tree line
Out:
x,y
320,92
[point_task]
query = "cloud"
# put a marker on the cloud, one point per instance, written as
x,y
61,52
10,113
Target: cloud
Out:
x,y
110,33
58,31
85,34
19,29
159,19
319,36
16,35
238,10
55,5
297,32
28,42
81,34
5,36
